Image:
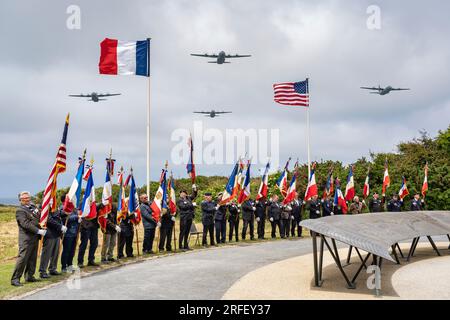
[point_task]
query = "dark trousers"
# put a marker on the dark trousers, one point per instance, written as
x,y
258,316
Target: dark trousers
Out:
x,y
285,228
149,236
185,229
126,240
260,228
276,223
294,226
26,260
68,251
208,228
91,235
234,227
221,230
251,224
165,236
49,255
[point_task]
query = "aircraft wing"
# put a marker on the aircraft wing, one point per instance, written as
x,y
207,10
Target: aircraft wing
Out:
x,y
397,89
221,112
237,56
372,88
204,55
80,95
108,94
202,112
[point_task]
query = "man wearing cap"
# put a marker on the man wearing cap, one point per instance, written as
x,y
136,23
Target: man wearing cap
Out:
x,y
248,218
233,221
186,209
296,216
220,222
149,224
275,215
416,203
286,212
375,204
27,217
327,206
260,214
165,236
314,208
395,205
208,210
356,206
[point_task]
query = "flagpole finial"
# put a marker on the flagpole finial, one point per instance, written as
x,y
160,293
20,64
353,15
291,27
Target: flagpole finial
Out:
x,y
166,164
67,117
92,161
84,154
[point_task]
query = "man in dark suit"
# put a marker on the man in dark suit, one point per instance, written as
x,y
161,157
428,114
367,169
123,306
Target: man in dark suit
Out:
x,y
27,216
233,221
186,208
149,224
260,214
248,217
208,210
296,216
275,215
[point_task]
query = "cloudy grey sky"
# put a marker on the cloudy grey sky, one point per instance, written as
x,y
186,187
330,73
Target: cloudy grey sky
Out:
x,y
42,61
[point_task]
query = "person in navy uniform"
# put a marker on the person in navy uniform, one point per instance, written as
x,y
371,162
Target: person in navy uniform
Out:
x,y
88,233
165,236
220,222
126,235
275,215
375,204
209,208
285,220
416,203
260,214
233,221
327,206
110,236
186,208
70,220
395,205
149,224
296,216
50,248
314,208
248,218
27,216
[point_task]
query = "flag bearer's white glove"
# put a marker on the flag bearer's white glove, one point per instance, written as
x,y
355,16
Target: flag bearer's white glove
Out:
x,y
292,218
258,219
194,187
118,229
173,218
194,204
63,229
254,208
217,207
271,219
158,224
79,219
42,232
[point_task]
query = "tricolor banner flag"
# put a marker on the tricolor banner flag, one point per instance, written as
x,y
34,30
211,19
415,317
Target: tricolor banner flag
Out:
x,y
59,166
228,192
73,197
425,182
121,206
339,200
264,186
245,192
386,179
172,196
403,189
190,167
133,202
282,182
350,187
366,189
292,192
238,181
311,189
328,186
89,208
119,57
106,195
160,201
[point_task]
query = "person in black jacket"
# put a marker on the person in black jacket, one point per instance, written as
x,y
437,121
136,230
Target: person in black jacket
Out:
x,y
233,221
248,218
110,236
88,233
27,216
275,215
286,211
296,216
260,214
375,204
416,203
327,206
220,222
186,209
314,208
149,224
208,210
50,247
126,234
70,220
395,205
165,235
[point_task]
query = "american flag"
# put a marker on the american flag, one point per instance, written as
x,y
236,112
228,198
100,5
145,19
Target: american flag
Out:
x,y
292,93
49,197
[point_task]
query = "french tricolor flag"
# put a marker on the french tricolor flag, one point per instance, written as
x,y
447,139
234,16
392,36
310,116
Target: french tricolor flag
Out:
x,y
119,57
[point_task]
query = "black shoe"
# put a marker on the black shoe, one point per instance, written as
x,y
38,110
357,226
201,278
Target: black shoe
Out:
x,y
104,261
92,264
169,249
160,250
80,265
130,256
44,276
119,257
16,283
32,279
111,260
55,273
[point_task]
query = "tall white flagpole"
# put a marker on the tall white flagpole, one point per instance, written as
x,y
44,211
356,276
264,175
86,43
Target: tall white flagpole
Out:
x,y
148,120
307,130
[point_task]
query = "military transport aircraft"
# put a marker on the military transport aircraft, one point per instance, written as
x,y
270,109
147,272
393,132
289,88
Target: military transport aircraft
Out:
x,y
383,91
94,96
220,57
212,113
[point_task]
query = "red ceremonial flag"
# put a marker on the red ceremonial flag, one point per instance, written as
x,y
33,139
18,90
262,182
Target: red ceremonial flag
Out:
x,y
425,182
311,189
403,190
386,179
172,196
245,192
292,191
350,187
264,186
